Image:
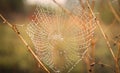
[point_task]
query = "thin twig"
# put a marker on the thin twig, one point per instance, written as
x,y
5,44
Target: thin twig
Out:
x,y
93,4
118,54
87,61
104,35
67,11
90,57
119,4
106,65
82,4
25,43
113,11
106,38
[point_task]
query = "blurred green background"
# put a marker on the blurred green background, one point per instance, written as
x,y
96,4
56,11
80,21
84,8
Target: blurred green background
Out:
x,y
15,58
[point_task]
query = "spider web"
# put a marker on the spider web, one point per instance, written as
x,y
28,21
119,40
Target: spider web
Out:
x,y
61,39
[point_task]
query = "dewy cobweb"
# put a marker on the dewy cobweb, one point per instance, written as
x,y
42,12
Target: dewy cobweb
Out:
x,y
61,39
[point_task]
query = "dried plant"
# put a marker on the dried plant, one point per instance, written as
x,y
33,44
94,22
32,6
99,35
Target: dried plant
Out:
x,y
63,37
60,36
25,43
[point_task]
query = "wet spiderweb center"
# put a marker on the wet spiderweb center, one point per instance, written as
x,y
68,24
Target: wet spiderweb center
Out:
x,y
61,39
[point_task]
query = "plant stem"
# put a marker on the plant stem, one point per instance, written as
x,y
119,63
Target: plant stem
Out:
x,y
113,11
82,4
106,38
25,43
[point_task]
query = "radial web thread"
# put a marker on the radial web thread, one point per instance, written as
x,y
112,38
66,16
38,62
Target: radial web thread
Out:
x,y
61,39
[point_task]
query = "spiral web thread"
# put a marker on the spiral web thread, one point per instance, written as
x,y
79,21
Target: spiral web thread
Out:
x,y
61,39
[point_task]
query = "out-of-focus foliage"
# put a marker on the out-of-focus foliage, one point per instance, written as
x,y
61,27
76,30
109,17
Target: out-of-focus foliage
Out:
x,y
14,58
11,5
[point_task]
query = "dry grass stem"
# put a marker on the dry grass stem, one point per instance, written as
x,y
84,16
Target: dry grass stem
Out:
x,y
89,55
87,61
25,43
113,11
118,54
106,38
82,4
64,9
93,4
